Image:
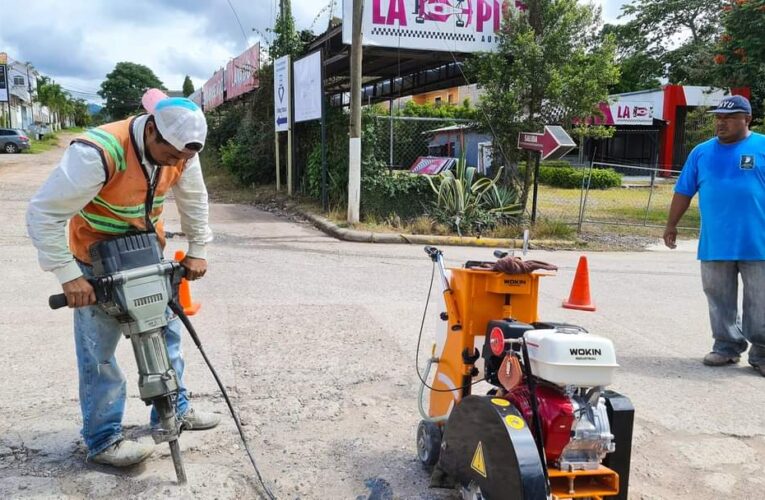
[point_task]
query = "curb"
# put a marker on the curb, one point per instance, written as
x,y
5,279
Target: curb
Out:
x,y
353,235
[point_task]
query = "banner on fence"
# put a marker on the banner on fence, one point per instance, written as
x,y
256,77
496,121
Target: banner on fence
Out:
x,y
213,91
282,93
242,72
437,25
431,165
308,88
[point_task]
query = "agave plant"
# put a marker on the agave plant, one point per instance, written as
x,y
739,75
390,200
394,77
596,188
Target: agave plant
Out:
x,y
463,196
502,200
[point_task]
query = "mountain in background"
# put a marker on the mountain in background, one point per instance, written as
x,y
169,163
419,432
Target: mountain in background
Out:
x,y
93,109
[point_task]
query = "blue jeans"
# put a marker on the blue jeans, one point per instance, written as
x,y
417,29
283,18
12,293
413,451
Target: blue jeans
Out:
x,y
732,330
102,383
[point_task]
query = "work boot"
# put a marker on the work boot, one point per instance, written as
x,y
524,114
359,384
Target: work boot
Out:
x,y
124,453
717,359
194,420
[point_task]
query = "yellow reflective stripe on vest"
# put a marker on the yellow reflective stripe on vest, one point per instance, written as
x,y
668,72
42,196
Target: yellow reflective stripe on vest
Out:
x,y
111,145
134,211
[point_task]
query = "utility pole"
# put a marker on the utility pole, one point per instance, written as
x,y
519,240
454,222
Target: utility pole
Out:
x,y
354,167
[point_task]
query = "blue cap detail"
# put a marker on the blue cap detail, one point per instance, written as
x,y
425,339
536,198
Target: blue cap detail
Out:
x,y
180,102
733,104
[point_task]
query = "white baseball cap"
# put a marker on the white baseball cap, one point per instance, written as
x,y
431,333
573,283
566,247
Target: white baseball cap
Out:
x,y
179,120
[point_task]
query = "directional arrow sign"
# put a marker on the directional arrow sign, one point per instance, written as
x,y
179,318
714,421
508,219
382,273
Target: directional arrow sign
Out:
x,y
553,143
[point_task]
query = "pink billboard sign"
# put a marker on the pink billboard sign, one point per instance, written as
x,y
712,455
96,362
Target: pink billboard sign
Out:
x,y
430,165
242,73
622,113
213,91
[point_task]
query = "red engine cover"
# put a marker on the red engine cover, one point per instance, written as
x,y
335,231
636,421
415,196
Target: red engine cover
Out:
x,y
555,412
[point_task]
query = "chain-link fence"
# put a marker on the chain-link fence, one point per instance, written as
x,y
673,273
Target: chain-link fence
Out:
x,y
399,140
642,200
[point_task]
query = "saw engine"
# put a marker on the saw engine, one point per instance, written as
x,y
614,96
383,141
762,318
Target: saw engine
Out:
x,y
572,368
549,428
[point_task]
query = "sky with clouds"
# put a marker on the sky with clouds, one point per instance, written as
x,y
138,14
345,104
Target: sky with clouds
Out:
x,y
78,42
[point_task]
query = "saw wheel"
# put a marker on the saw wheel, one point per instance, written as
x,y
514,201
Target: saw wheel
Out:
x,y
489,451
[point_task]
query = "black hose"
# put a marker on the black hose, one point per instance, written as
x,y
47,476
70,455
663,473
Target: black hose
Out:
x,y
419,340
531,382
177,309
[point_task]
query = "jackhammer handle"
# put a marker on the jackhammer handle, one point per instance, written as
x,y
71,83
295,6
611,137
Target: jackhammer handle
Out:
x,y
57,301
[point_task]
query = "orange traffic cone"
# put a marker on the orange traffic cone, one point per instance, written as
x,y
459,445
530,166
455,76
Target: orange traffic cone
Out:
x,y
580,291
184,292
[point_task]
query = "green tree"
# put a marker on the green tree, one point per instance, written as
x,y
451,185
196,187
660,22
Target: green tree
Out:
x,y
740,58
639,65
124,87
50,94
551,66
80,113
288,41
680,33
188,86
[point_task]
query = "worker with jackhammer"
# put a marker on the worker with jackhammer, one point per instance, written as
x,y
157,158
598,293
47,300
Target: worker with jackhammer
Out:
x,y
113,181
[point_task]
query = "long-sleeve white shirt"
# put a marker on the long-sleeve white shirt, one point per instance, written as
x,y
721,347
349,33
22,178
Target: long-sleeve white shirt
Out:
x,y
78,178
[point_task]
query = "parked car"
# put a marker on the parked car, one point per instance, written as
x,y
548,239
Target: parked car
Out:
x,y
13,140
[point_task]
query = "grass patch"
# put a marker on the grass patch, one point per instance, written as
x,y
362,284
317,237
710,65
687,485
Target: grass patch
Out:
x,y
617,205
48,142
546,229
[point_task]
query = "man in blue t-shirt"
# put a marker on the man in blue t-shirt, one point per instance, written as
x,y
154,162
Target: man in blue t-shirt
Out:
x,y
728,173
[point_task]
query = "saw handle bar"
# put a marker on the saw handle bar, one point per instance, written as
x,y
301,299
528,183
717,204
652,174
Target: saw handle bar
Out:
x,y
104,284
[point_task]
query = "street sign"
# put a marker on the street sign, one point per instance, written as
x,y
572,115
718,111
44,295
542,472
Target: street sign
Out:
x,y
282,93
553,143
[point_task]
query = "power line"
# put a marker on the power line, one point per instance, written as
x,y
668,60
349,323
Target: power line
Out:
x,y
244,35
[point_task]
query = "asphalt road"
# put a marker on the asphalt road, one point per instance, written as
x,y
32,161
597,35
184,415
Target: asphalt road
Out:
x,y
315,340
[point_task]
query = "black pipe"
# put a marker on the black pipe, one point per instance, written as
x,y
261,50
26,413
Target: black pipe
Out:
x,y
531,383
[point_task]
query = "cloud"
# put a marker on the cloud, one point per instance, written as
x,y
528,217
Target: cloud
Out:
x,y
77,42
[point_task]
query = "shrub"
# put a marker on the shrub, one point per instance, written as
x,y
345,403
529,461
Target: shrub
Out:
x,y
562,174
249,155
400,193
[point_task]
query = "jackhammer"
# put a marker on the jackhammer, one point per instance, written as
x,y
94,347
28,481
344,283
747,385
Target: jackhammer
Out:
x,y
135,285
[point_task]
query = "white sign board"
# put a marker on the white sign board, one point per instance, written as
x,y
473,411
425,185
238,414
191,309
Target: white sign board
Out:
x,y
308,88
628,113
3,83
436,25
282,94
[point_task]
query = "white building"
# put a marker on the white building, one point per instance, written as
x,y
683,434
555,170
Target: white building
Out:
x,y
25,113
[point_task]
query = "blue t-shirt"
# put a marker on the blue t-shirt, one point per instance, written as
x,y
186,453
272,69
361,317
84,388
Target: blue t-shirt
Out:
x,y
730,180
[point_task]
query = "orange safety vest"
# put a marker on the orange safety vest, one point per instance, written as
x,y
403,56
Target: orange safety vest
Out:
x,y
119,207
